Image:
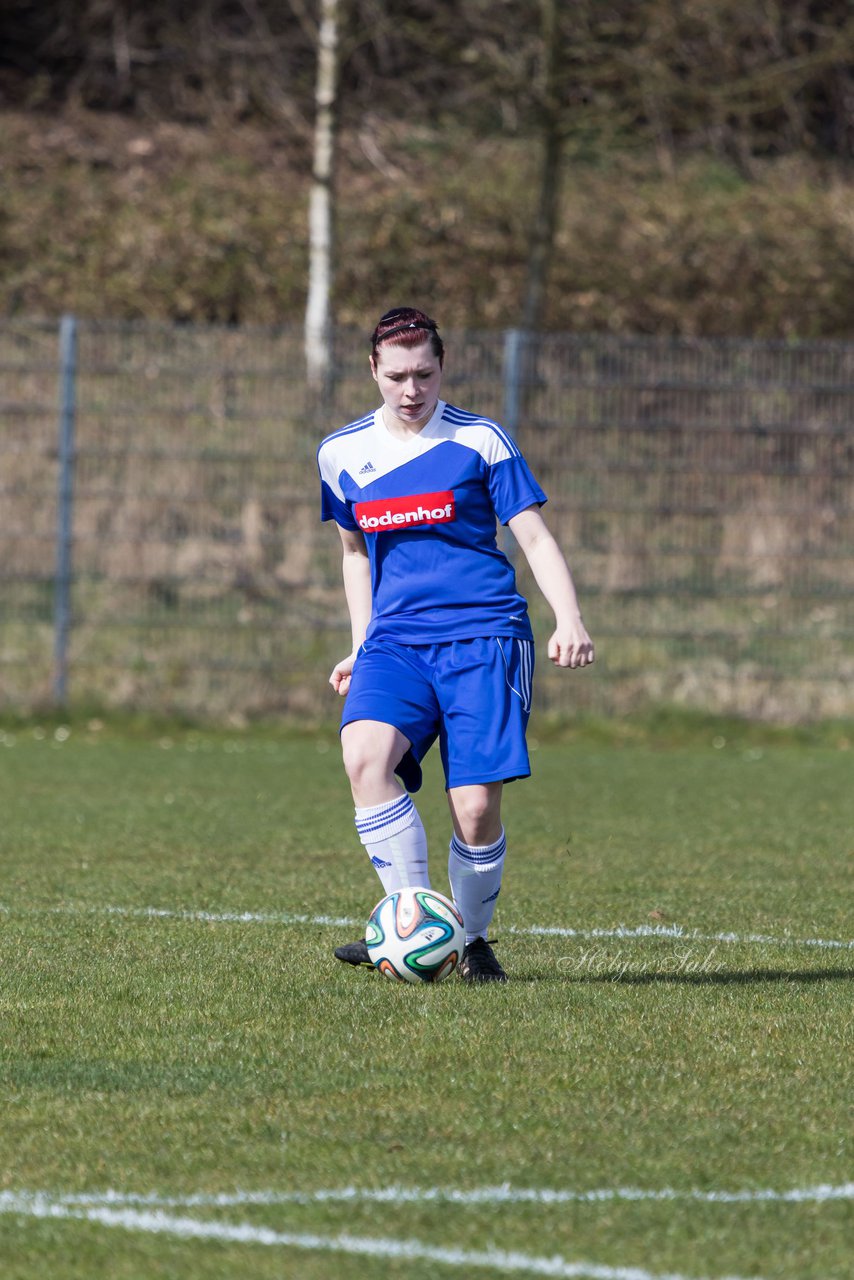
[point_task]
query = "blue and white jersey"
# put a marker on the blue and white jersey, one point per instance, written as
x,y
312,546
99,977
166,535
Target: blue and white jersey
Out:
x,y
428,507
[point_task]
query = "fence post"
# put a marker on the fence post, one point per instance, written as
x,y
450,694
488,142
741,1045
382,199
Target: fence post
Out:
x,y
514,350
65,502
514,358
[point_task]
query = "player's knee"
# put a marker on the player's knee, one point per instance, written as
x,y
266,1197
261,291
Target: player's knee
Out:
x,y
367,760
358,761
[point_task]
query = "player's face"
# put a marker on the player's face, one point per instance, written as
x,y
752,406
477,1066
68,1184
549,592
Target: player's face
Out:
x,y
409,379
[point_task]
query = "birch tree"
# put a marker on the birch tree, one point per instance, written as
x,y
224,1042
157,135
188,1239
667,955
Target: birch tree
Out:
x,y
321,211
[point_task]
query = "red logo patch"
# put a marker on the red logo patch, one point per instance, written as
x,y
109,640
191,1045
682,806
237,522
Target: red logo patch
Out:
x,y
405,513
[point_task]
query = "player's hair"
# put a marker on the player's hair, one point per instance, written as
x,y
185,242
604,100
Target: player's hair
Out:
x,y
407,327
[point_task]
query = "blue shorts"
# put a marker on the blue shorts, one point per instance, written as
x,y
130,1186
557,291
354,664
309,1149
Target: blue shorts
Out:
x,y
473,695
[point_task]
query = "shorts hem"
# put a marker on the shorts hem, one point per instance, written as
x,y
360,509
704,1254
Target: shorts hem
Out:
x,y
481,780
377,719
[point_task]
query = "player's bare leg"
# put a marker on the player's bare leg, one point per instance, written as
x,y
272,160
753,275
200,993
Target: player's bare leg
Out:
x,y
476,812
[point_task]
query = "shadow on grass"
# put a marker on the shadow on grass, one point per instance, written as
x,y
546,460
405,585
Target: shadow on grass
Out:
x,y
725,977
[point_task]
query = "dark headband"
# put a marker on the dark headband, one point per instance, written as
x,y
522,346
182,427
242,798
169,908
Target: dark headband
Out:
x,y
428,327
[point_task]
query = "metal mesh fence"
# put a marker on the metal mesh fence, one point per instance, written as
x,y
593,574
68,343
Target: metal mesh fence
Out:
x,y
703,492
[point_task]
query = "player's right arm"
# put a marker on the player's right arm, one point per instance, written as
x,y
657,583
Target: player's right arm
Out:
x,y
356,570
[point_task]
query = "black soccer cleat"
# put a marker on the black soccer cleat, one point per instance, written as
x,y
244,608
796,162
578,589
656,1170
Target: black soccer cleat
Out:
x,y
354,953
479,963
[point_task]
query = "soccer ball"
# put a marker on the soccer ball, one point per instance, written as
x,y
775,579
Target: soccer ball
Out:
x,y
415,935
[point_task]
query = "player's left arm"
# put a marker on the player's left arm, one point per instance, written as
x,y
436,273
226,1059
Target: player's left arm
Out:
x,y
569,644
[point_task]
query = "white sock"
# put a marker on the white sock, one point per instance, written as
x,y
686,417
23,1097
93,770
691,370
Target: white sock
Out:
x,y
394,838
475,875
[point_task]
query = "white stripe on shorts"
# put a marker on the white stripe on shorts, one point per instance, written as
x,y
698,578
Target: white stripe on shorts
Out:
x,y
526,669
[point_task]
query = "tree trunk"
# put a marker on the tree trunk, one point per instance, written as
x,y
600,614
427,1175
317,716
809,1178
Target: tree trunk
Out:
x,y
545,220
321,219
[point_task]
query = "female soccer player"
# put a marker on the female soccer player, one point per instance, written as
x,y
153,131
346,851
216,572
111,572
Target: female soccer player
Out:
x,y
442,644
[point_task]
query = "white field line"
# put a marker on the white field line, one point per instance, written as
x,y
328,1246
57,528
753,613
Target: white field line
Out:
x,y
504,1194
621,932
157,1222
681,934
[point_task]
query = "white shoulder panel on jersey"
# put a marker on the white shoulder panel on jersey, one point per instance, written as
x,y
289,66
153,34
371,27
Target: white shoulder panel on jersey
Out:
x,y
342,451
478,433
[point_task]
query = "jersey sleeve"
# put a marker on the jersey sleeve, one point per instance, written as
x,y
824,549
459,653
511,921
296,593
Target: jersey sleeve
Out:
x,y
332,508
513,488
332,503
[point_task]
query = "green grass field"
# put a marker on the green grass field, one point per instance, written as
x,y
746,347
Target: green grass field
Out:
x,y
191,1086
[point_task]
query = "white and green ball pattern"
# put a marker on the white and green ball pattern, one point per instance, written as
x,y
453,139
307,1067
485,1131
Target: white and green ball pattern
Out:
x,y
415,935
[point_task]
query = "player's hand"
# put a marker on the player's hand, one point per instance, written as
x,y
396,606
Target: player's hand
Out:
x,y
341,672
571,646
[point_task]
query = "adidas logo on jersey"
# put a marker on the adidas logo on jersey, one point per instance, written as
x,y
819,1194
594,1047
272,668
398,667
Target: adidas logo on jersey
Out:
x,y
367,469
414,509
